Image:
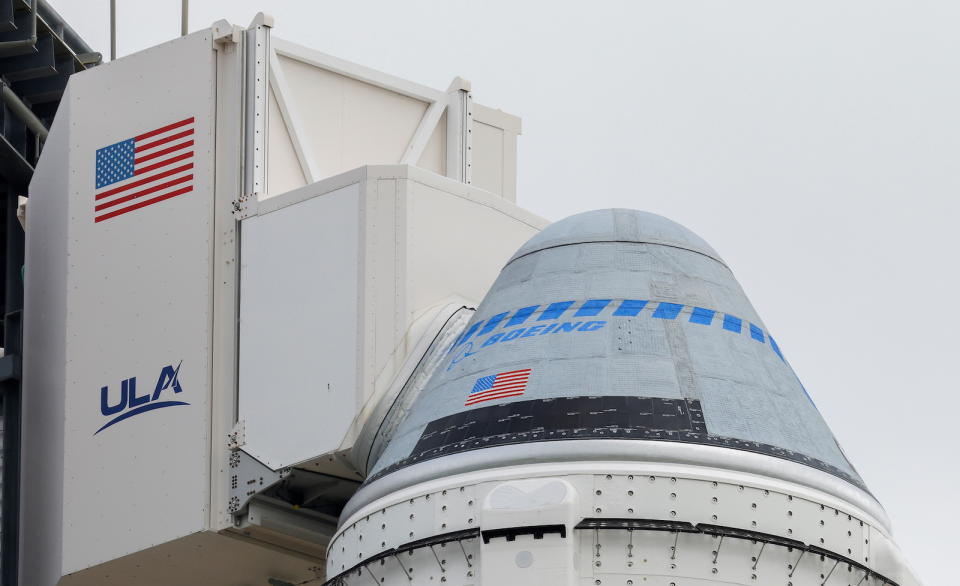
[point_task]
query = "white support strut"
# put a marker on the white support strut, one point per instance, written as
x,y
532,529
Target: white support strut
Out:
x,y
292,121
423,133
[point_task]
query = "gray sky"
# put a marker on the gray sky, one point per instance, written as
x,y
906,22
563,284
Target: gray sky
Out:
x,y
815,145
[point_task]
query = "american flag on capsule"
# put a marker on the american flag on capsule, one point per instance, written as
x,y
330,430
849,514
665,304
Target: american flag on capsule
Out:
x,y
149,168
499,386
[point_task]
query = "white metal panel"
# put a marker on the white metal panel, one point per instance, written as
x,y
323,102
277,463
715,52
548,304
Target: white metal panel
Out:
x,y
434,156
256,89
446,230
358,72
344,268
45,358
422,135
291,121
488,159
495,151
138,302
298,327
347,122
616,490
384,273
202,559
226,252
335,115
286,172
459,131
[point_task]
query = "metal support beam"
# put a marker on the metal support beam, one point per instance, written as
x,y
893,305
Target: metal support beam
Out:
x,y
113,29
22,111
431,118
14,168
291,121
459,131
31,39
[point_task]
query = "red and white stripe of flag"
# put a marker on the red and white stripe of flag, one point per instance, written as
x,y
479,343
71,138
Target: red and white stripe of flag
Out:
x,y
163,169
507,384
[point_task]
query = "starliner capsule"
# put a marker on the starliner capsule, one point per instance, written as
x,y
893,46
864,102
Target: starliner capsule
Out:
x,y
614,413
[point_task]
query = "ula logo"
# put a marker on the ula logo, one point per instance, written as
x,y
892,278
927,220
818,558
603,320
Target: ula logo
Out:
x,y
130,404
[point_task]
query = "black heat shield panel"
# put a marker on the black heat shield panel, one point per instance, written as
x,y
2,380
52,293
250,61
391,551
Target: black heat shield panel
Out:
x,y
588,417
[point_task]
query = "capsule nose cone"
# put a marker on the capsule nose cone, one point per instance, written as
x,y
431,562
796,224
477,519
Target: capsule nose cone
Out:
x,y
617,225
617,325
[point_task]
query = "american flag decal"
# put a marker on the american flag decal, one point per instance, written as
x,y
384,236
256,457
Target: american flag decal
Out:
x,y
499,386
146,169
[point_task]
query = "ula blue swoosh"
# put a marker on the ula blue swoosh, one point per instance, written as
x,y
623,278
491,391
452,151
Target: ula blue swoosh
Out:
x,y
139,410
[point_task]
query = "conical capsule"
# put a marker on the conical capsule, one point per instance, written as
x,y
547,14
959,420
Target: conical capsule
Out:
x,y
616,324
616,387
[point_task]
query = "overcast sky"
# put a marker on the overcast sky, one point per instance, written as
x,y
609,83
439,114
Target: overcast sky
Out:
x,y
815,145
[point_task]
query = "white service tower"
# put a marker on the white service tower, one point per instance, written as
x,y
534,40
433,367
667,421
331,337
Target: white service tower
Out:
x,y
286,325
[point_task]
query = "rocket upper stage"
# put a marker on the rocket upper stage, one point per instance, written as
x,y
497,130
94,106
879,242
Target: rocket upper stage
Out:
x,y
615,325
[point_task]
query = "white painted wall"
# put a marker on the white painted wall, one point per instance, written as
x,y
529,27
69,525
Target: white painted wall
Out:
x,y
333,277
110,301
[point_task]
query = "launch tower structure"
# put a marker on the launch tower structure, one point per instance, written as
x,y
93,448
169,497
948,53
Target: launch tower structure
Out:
x,y
285,323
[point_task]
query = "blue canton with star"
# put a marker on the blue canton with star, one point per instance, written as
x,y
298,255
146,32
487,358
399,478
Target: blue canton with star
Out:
x,y
484,383
115,163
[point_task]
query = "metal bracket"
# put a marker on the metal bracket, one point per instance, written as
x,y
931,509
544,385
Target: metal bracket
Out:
x,y
224,32
257,111
248,476
246,206
460,131
262,19
237,437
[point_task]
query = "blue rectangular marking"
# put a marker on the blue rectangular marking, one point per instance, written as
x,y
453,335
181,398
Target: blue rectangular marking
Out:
x,y
631,307
702,315
592,307
667,310
555,310
756,333
773,344
521,316
484,383
466,335
492,323
732,323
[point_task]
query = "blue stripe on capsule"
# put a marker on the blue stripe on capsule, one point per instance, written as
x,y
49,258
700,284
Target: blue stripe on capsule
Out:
x,y
667,310
466,335
630,307
521,316
493,322
555,310
732,323
592,307
756,333
702,315
773,344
